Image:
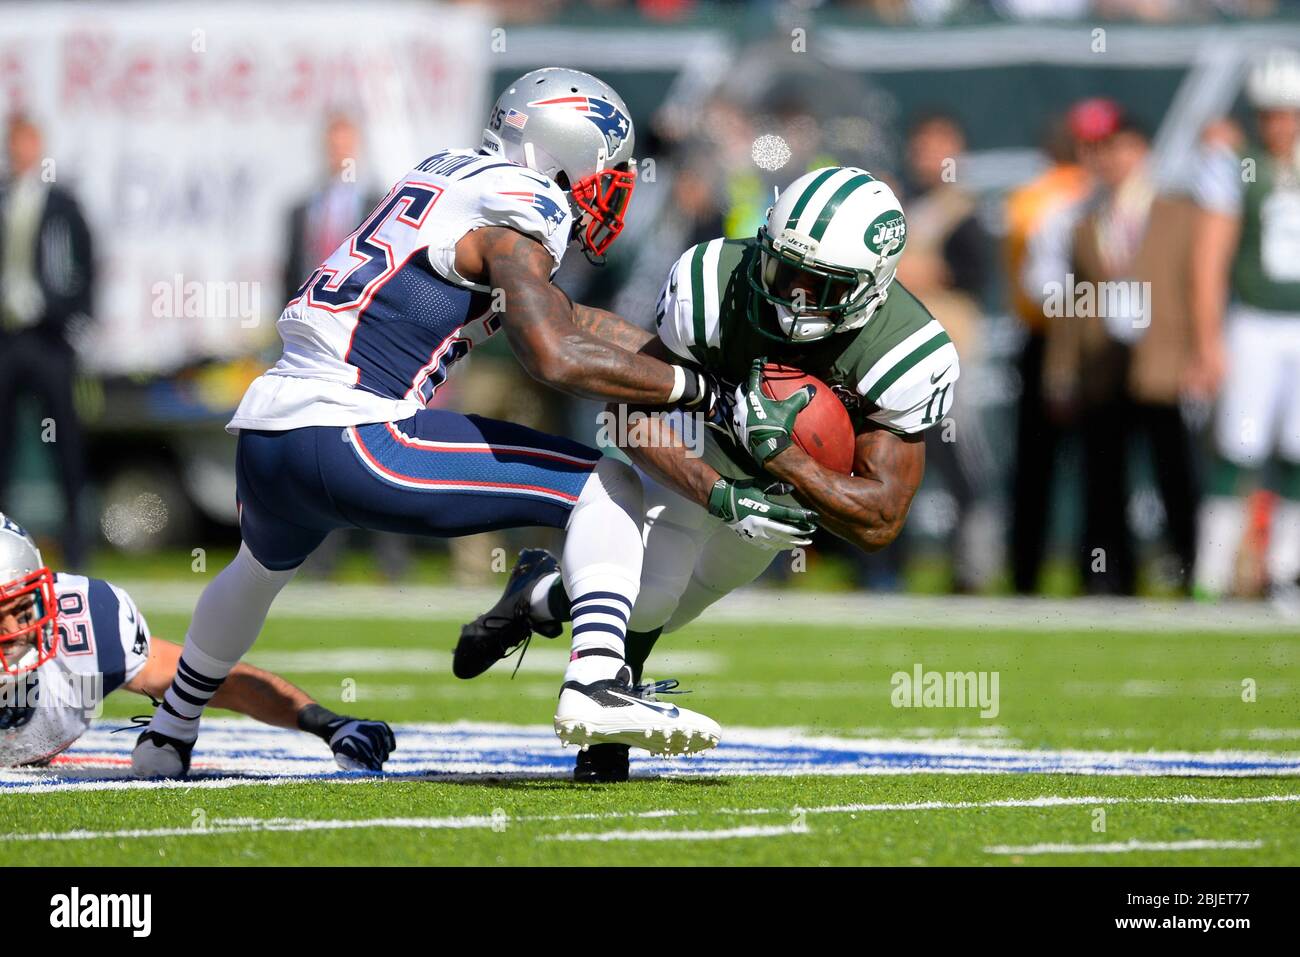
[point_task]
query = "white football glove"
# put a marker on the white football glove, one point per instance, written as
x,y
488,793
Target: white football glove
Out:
x,y
751,513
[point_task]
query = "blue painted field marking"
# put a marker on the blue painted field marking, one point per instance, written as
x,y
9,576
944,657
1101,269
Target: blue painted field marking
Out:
x,y
256,753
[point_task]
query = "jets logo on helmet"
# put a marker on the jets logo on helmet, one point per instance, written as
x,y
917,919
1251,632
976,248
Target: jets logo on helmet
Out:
x,y
827,255
550,210
609,119
887,233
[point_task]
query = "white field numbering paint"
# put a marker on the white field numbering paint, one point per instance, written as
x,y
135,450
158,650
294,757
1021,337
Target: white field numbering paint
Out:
x,y
1124,847
233,752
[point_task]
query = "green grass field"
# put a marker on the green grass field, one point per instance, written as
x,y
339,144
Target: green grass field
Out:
x,y
1080,688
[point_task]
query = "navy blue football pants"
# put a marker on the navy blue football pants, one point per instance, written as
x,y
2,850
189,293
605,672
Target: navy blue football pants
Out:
x,y
437,473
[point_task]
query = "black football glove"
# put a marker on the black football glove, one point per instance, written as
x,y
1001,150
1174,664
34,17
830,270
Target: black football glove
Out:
x,y
358,744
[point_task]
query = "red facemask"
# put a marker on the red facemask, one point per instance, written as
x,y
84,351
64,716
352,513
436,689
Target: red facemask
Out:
x,y
43,629
604,196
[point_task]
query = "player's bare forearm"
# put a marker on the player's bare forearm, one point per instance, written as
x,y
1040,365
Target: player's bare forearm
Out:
x,y
869,507
247,690
1214,243
262,695
611,327
657,447
538,320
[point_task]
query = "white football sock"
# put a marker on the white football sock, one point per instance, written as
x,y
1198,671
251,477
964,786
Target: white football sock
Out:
x,y
1284,543
539,600
227,620
1222,523
603,551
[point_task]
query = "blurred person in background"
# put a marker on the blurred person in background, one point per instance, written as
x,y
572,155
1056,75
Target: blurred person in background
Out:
x,y
339,202
946,266
46,284
1029,210
1117,367
1246,310
333,209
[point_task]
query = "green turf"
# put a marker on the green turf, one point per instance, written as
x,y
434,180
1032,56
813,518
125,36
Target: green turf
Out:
x,y
1087,689
510,832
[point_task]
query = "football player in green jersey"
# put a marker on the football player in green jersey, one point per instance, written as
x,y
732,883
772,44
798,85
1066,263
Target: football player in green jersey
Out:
x,y
1245,286
815,289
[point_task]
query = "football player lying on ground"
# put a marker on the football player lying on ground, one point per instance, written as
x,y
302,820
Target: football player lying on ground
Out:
x,y
67,641
338,433
814,290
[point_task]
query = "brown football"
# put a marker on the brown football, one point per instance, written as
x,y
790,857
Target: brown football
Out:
x,y
823,428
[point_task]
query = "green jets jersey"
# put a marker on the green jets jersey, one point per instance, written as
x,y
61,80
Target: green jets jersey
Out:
x,y
896,372
1266,269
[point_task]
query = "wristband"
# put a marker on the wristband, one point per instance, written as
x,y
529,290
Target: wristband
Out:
x,y
679,385
696,391
316,719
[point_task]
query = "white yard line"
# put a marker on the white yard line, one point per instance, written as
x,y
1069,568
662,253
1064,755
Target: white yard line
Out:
x,y
725,834
1127,847
219,826
328,600
353,661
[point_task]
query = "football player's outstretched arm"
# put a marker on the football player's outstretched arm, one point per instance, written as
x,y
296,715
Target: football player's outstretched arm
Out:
x,y
249,691
539,323
615,329
867,508
357,743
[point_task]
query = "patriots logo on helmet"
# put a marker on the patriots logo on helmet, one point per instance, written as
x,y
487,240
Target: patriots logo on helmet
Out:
x,y
9,524
551,211
612,122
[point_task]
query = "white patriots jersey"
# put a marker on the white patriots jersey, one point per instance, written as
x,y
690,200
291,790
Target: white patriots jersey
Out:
x,y
103,643
373,332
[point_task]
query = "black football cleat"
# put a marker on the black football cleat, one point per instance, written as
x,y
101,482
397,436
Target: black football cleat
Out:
x,y
602,764
507,625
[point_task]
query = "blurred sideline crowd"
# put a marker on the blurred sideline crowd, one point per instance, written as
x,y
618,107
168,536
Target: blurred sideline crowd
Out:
x,y
1144,317
916,12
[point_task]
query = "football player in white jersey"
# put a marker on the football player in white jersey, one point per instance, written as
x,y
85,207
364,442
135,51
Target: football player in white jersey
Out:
x,y
67,641
815,289
338,434
1245,307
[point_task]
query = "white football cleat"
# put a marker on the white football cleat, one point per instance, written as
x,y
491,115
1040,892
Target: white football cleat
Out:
x,y
610,711
158,756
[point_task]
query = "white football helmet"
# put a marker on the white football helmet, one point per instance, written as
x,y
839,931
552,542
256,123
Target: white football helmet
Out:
x,y
22,574
1274,81
827,254
575,130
